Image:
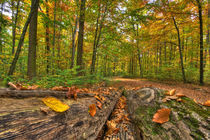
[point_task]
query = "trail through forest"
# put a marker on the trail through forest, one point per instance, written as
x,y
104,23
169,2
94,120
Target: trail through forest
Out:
x,y
199,93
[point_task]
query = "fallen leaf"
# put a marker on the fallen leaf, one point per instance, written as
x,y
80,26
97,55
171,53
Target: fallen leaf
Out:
x,y
171,92
13,86
92,110
45,110
60,88
55,104
32,87
161,116
207,103
72,92
180,95
179,100
111,125
98,98
172,97
99,104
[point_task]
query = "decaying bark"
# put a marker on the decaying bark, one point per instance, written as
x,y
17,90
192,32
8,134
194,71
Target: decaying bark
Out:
x,y
8,93
188,120
22,118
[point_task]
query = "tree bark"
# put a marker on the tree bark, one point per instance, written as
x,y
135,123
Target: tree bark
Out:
x,y
25,120
47,38
97,37
14,26
20,44
80,38
201,40
187,121
180,50
92,69
1,26
32,41
74,32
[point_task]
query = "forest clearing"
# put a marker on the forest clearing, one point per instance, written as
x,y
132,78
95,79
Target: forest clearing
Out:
x,y
104,70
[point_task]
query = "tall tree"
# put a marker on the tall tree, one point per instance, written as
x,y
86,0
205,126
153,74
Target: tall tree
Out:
x,y
15,17
180,49
1,25
21,41
98,34
32,41
74,31
199,2
47,37
80,37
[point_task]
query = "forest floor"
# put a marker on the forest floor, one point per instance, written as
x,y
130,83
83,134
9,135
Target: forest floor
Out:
x,y
199,93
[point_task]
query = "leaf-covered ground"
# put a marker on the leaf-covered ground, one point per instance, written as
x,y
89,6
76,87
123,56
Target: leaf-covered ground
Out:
x,y
199,93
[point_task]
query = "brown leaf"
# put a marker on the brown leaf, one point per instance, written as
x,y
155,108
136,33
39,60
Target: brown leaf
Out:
x,y
45,110
161,116
180,95
111,125
92,110
60,88
72,92
98,98
32,87
179,100
172,97
207,103
13,86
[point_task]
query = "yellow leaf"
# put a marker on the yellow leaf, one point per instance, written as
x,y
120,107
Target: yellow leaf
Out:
x,y
55,104
171,92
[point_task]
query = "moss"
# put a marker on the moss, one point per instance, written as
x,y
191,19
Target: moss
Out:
x,y
174,135
145,120
192,106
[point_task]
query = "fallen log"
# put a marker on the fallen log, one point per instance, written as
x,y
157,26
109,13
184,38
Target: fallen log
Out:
x,y
23,119
188,120
8,93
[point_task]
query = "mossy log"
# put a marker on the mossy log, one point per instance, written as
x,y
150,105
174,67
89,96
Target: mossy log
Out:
x,y
23,119
188,120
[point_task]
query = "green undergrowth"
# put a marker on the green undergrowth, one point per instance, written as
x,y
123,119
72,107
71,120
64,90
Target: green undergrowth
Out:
x,y
66,78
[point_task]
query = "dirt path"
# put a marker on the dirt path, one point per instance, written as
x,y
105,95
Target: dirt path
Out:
x,y
200,93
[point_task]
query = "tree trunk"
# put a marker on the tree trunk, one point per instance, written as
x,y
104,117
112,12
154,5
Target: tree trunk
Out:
x,y
201,40
25,120
20,44
74,32
80,38
32,41
47,38
97,37
180,50
188,120
92,70
1,26
14,26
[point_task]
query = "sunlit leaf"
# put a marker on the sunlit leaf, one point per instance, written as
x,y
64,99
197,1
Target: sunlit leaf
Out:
x,y
207,103
55,104
171,92
180,95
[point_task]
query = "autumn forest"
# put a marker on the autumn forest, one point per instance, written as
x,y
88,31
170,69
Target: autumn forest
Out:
x,y
159,39
104,70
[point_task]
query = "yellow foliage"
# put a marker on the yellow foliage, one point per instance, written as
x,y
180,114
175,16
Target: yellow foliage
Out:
x,y
55,104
